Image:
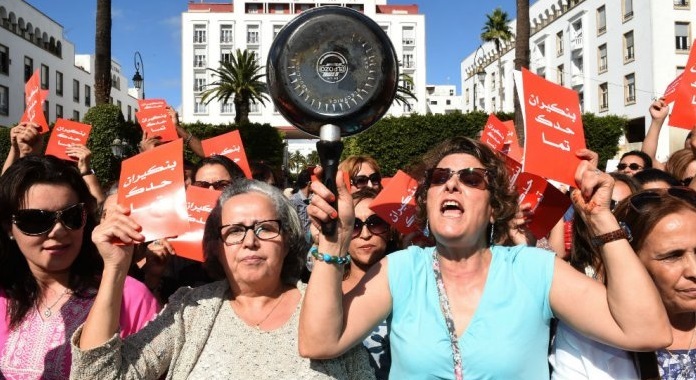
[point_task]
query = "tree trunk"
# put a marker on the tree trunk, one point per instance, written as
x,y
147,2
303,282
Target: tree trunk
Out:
x,y
521,58
241,109
102,50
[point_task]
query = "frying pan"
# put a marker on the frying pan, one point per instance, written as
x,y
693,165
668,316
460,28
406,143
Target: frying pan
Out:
x,y
332,72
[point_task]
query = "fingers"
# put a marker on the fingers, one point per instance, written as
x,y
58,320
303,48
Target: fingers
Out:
x,y
117,227
588,155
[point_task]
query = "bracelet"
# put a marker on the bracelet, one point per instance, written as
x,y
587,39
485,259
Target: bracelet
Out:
x,y
188,138
325,257
88,172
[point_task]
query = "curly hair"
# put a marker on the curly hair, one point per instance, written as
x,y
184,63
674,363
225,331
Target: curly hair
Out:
x,y
503,198
678,163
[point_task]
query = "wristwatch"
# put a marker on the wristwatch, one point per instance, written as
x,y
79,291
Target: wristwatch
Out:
x,y
622,233
87,172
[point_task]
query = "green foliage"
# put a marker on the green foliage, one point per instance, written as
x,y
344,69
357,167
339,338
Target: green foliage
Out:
x,y
108,124
4,141
602,135
496,28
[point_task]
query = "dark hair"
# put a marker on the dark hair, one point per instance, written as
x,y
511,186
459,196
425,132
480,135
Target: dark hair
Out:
x,y
232,168
503,198
647,161
16,279
290,226
261,171
303,179
631,182
655,175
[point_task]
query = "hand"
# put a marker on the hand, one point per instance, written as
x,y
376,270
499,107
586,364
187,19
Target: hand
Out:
x,y
114,238
148,143
26,139
593,196
157,255
518,230
319,210
659,110
173,115
588,155
83,155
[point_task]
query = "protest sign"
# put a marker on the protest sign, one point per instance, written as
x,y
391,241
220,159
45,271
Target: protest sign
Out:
x,y
229,145
66,133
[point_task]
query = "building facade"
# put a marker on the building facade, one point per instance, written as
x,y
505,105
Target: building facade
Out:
x,y
30,40
617,55
442,99
211,32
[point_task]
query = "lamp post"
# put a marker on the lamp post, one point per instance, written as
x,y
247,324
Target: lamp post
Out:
x,y
480,74
139,81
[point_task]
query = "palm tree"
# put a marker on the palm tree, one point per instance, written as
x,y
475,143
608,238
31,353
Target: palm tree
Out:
x,y
521,58
102,53
404,91
313,158
496,29
296,162
239,77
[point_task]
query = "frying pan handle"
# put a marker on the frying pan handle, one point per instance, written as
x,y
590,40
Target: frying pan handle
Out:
x,y
330,155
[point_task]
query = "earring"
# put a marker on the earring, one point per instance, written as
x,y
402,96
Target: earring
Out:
x,y
426,230
490,237
11,237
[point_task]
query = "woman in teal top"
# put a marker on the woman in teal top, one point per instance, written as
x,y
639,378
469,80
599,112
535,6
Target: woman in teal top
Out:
x,y
465,308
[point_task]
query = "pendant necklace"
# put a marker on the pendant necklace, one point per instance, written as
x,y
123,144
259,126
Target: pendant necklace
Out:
x,y
48,312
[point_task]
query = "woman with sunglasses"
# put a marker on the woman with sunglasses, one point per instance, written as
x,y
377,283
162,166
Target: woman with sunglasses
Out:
x,y
682,165
243,326
466,308
215,172
50,269
363,172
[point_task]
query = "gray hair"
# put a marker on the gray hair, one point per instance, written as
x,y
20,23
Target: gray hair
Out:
x,y
290,225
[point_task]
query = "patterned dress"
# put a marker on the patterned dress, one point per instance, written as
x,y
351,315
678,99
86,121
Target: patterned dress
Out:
x,y
677,364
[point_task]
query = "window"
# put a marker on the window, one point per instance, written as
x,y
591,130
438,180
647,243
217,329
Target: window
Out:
x,y
559,43
227,108
115,81
129,115
681,33
254,107
119,105
408,61
59,111
59,83
88,96
226,34
492,81
629,49
630,88
76,115
681,3
199,106
560,74
409,35
4,60
680,70
199,58
44,77
76,90
276,30
627,9
4,101
601,20
253,8
252,34
278,8
448,102
602,55
603,97
199,34
28,68
199,82
433,102
46,110
466,96
226,55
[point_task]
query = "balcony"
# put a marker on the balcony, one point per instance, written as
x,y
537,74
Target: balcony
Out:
x,y
681,3
628,15
576,42
630,54
577,80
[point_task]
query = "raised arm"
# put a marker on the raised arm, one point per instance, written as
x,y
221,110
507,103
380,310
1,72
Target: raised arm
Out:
x,y
84,157
193,142
24,140
330,323
658,113
628,312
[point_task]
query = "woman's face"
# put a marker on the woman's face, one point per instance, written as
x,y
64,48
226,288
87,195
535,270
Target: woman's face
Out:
x,y
212,174
458,215
629,160
53,252
252,260
669,254
366,170
367,248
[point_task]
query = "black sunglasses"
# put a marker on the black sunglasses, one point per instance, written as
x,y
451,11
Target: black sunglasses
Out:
x,y
361,181
632,166
374,224
217,185
472,177
34,222
640,200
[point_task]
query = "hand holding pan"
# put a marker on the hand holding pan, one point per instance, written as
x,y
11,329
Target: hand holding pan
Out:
x,y
332,72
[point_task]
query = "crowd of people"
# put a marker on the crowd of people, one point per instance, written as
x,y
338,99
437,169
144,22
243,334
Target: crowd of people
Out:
x,y
609,293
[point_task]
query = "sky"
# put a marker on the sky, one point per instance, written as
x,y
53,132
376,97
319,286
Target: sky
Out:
x,y
153,28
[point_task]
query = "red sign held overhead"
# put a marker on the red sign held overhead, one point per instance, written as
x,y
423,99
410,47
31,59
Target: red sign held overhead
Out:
x,y
396,203
66,133
34,98
229,145
156,122
683,92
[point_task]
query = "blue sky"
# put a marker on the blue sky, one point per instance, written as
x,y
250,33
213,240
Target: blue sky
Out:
x,y
152,27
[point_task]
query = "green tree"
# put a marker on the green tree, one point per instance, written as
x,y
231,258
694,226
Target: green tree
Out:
x,y
404,91
296,161
241,78
496,29
313,158
102,53
521,58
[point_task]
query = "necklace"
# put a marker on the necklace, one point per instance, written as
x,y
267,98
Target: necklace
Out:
x,y
687,363
48,312
449,320
257,325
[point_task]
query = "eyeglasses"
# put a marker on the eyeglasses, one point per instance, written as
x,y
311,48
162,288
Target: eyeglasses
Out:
x,y
472,177
361,181
35,222
232,234
374,224
640,200
632,166
217,185
687,181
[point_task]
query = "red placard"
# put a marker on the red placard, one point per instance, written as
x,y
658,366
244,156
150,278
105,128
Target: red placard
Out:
x,y
514,168
553,129
684,110
672,90
495,133
229,145
396,203
148,104
157,122
34,98
512,143
200,202
548,203
152,187
66,133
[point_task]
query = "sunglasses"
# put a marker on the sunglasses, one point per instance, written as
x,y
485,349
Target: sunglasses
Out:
x,y
632,166
35,222
361,181
642,199
374,224
471,177
217,185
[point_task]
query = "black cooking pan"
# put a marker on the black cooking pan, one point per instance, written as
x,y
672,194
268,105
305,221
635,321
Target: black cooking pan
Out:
x,y
332,72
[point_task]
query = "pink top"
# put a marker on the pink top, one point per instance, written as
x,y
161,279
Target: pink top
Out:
x,y
40,349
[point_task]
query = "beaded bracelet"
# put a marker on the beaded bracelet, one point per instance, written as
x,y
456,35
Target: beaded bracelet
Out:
x,y
338,260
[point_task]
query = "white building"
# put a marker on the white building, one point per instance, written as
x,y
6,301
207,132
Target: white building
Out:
x,y
442,99
617,54
31,40
211,32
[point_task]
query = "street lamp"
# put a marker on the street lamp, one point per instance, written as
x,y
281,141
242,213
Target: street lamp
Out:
x,y
119,148
480,74
139,81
